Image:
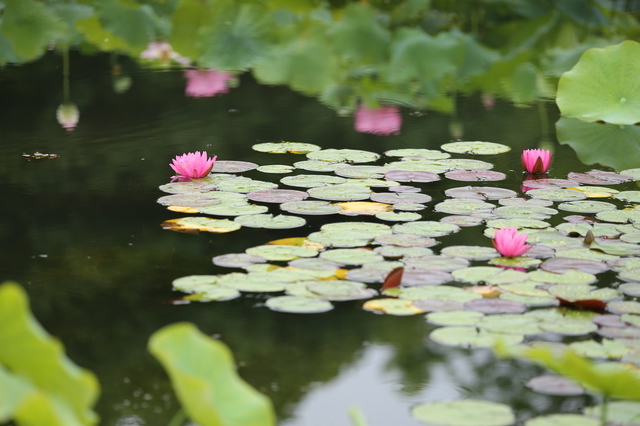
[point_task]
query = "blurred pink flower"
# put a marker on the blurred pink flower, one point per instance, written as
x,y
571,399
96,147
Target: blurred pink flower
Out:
x,y
379,121
509,243
203,83
162,51
536,160
68,115
192,165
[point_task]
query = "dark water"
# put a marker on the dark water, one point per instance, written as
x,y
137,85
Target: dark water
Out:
x,y
82,233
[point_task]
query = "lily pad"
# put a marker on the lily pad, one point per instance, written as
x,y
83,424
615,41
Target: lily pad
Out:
x,y
341,290
602,85
394,198
276,169
311,207
464,164
194,283
586,206
495,306
476,148
619,216
561,265
608,349
361,172
419,277
392,307
222,166
599,177
340,193
480,192
341,238
426,228
454,318
317,166
284,147
508,323
464,413
406,240
215,293
462,220
429,154
237,260
343,155
444,293
298,305
407,252
475,175
556,194
524,212
277,195
569,277
311,181
269,221
488,275
363,208
372,228
469,337
618,412
464,206
556,385
398,216
205,224
355,256
630,196
233,209
188,200
275,252
411,176
470,252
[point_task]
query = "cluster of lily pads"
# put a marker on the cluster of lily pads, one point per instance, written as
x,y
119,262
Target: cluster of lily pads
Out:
x,y
476,296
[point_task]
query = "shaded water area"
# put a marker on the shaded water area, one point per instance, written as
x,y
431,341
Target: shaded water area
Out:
x,y
81,231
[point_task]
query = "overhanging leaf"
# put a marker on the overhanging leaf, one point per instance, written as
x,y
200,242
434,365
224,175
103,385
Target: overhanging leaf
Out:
x,y
603,85
203,374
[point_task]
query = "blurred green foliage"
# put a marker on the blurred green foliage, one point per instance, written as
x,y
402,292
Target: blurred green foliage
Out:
x,y
416,53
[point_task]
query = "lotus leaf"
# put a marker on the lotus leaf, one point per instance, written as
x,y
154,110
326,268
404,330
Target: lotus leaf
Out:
x,y
603,85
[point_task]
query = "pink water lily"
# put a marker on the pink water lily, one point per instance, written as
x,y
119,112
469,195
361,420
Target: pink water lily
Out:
x,y
536,160
379,121
509,243
192,165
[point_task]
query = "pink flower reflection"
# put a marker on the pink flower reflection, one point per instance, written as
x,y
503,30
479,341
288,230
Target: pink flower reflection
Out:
x,y
205,83
162,52
379,121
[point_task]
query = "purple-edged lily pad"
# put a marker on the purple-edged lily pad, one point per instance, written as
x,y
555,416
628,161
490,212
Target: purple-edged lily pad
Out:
x,y
419,277
391,198
599,177
411,176
560,265
475,175
554,385
495,306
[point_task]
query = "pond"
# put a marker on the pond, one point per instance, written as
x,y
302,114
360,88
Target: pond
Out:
x,y
89,133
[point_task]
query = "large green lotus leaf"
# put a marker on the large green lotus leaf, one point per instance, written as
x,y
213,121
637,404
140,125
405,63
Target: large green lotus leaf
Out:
x,y
30,26
203,374
135,24
610,145
61,392
603,85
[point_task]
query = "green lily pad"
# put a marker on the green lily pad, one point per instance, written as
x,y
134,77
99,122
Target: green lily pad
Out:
x,y
475,175
311,181
634,173
569,277
341,238
576,292
340,192
597,229
562,420
470,252
616,248
429,166
488,275
524,212
405,240
194,283
391,307
524,202
630,196
221,166
586,206
298,305
188,200
464,413
269,221
343,155
480,192
557,194
361,172
233,209
276,252
276,169
531,301
561,265
311,207
429,154
355,256
195,187
609,349
277,195
462,220
245,185
411,176
341,290
398,216
602,85
464,164
509,324
619,216
285,147
454,318
618,412
495,306
624,307
317,166
561,386
407,252
251,282
518,223
469,337
426,228
464,206
443,293
395,198
237,260
375,229
632,237
214,293
205,224
584,253
476,148
515,262
422,277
